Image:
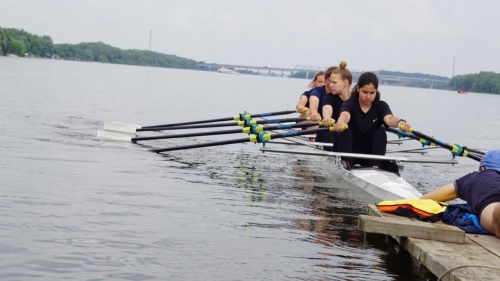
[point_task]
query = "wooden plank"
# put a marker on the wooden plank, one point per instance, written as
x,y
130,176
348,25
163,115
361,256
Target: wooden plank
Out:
x,y
439,257
391,224
401,226
490,242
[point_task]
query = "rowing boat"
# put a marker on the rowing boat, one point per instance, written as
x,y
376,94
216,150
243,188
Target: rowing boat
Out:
x,y
379,183
385,183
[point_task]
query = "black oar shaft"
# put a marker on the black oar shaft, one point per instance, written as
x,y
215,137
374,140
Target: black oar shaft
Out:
x,y
187,127
290,126
455,149
246,130
190,123
187,135
239,123
253,138
261,115
198,145
239,117
440,143
286,120
409,135
477,151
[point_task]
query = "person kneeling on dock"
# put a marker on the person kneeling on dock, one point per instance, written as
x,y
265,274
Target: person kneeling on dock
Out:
x,y
481,191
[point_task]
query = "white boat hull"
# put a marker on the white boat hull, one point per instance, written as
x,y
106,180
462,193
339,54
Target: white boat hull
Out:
x,y
380,184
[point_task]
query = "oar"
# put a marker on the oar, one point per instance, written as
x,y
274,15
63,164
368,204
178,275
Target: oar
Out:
x,y
240,117
255,129
131,128
245,123
260,138
454,148
400,133
428,140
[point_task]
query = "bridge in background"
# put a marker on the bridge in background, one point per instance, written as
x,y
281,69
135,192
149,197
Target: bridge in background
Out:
x,y
264,70
310,70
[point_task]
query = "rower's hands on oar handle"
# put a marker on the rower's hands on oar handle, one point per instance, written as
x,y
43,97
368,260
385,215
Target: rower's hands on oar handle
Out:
x,y
340,126
302,109
327,122
404,126
315,117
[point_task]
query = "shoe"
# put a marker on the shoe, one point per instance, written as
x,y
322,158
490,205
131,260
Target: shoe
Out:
x,y
345,165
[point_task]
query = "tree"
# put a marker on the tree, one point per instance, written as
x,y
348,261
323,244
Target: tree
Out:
x,y
3,42
16,47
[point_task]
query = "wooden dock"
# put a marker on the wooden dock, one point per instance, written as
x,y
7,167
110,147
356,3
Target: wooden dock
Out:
x,y
438,246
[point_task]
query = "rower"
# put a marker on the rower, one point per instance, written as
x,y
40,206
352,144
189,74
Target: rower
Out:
x,y
316,99
340,85
363,116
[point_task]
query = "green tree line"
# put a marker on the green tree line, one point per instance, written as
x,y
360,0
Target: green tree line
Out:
x,y
22,43
19,42
482,82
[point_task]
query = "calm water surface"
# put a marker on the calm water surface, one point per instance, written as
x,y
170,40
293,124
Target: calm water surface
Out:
x,y
78,208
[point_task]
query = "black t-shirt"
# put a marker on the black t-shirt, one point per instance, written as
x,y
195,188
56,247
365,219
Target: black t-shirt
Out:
x,y
335,102
479,189
362,124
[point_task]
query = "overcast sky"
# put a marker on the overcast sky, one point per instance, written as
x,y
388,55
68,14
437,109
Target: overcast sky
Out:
x,y
420,36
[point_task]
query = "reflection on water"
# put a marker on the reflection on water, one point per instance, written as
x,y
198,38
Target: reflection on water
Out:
x,y
249,180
